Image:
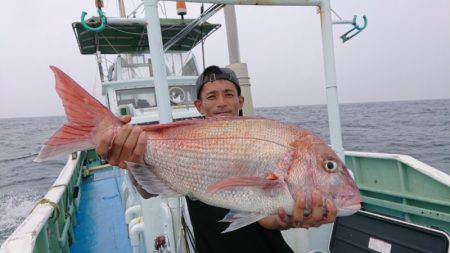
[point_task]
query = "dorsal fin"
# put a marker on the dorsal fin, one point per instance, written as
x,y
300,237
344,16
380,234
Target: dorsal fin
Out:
x,y
159,127
181,123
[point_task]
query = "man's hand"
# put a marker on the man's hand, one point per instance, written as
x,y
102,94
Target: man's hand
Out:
x,y
316,216
128,145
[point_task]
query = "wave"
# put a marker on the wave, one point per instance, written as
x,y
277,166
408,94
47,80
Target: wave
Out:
x,y
18,158
14,208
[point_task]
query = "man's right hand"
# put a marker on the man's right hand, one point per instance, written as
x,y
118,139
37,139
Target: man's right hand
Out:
x,y
127,145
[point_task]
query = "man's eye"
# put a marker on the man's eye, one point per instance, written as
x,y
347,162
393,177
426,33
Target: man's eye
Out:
x,y
229,95
210,97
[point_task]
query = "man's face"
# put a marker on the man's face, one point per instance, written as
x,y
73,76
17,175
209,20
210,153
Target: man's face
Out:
x,y
219,98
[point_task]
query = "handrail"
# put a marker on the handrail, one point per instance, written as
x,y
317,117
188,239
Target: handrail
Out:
x,y
414,163
43,229
402,187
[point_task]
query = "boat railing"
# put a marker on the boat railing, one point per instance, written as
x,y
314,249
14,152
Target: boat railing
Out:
x,y
402,187
394,185
49,226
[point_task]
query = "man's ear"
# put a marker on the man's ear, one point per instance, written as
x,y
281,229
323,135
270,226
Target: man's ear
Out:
x,y
241,102
198,105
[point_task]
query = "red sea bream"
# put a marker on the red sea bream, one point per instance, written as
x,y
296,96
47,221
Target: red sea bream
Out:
x,y
249,165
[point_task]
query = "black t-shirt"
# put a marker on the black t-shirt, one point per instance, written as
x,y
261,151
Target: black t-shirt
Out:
x,y
251,238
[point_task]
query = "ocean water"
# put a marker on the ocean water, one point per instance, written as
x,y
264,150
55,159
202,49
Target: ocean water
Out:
x,y
417,128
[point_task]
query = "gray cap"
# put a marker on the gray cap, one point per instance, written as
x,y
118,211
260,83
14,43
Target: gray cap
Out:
x,y
213,73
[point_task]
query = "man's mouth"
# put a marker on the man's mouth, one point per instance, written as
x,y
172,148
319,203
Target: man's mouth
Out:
x,y
223,113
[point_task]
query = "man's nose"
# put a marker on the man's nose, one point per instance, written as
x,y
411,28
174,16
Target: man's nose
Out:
x,y
221,101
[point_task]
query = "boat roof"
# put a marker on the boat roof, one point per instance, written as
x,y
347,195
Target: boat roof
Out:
x,y
129,35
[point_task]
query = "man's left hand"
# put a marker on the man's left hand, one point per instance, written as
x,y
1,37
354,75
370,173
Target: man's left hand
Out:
x,y
303,217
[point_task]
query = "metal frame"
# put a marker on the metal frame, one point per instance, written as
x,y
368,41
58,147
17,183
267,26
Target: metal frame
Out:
x,y
152,17
161,86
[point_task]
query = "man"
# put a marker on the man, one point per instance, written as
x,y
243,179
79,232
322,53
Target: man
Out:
x,y
219,94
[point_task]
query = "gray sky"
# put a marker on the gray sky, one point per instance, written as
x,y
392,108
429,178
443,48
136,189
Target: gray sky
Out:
x,y
403,55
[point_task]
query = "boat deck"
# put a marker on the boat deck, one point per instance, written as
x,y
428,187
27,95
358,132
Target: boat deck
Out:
x,y
100,221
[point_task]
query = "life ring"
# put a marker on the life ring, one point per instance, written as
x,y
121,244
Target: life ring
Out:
x,y
177,95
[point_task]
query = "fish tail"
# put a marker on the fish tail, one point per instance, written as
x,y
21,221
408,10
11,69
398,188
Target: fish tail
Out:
x,y
87,120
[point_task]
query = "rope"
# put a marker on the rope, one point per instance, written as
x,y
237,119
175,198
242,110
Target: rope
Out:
x,y
337,15
44,201
163,5
189,232
53,204
132,33
59,185
143,33
109,43
99,3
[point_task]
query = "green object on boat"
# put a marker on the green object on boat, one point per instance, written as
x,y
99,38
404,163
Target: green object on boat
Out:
x,y
94,29
345,37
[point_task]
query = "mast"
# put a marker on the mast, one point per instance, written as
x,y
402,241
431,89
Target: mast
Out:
x,y
232,34
121,5
128,58
235,58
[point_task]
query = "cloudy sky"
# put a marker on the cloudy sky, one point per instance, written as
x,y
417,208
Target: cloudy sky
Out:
x,y
403,55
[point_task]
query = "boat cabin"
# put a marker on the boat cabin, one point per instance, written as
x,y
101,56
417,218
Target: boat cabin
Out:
x,y
128,82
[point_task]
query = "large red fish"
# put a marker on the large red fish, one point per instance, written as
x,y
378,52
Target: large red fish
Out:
x,y
251,166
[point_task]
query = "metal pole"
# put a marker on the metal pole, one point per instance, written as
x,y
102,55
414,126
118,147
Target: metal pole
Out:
x,y
260,2
121,8
235,59
232,34
158,65
164,110
316,240
330,79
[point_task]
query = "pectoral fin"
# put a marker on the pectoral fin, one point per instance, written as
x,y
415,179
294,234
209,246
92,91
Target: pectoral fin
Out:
x,y
149,181
244,181
240,219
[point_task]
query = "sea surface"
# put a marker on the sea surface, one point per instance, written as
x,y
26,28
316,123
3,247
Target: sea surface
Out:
x,y
417,128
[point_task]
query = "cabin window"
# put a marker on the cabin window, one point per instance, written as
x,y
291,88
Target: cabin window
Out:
x,y
138,98
182,95
140,66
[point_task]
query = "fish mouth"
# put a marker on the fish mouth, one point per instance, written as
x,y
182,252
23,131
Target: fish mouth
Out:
x,y
348,210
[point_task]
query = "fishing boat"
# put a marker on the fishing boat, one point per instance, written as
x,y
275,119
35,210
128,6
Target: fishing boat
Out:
x,y
93,207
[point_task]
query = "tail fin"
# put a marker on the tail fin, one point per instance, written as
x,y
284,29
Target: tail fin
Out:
x,y
86,117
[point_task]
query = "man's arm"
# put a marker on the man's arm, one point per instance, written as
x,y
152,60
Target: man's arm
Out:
x,y
316,218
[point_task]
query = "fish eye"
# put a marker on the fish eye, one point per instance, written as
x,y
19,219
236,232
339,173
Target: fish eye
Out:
x,y
330,166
